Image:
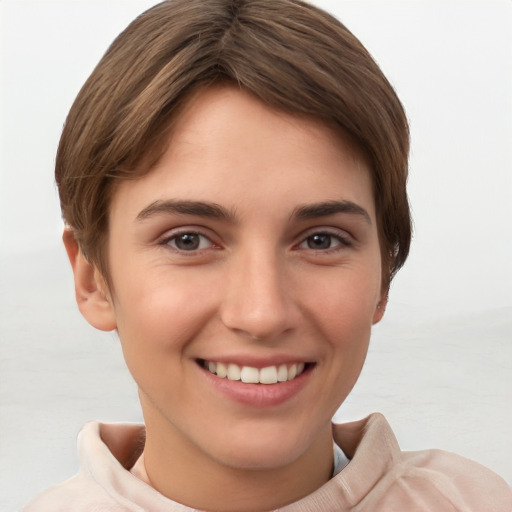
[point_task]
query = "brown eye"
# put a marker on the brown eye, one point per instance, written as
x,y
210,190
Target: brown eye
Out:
x,y
189,242
319,241
324,242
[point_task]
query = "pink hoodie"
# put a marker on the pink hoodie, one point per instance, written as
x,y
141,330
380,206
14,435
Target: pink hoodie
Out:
x,y
379,477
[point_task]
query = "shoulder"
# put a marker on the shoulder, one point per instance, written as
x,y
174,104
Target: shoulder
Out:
x,y
447,480
76,494
105,452
414,481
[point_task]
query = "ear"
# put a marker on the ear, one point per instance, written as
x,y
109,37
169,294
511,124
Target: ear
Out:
x,y
380,308
92,296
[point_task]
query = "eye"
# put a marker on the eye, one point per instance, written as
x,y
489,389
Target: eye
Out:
x,y
323,242
189,241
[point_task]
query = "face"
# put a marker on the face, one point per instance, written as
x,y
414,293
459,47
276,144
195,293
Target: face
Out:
x,y
250,252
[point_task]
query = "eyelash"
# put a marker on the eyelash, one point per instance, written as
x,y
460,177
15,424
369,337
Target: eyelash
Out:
x,y
343,242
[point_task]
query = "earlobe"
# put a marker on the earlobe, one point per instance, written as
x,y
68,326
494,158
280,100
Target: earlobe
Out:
x,y
380,309
91,292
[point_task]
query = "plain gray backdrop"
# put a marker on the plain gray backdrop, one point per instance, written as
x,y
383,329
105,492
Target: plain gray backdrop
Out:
x,y
440,364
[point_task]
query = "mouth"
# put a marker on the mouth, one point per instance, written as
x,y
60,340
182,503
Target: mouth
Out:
x,y
251,375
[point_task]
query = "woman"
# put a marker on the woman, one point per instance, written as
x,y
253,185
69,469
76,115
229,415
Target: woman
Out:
x,y
233,176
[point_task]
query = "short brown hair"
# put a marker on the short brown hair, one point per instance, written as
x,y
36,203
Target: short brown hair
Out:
x,y
290,54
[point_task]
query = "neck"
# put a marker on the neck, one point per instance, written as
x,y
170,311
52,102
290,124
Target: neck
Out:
x,y
182,472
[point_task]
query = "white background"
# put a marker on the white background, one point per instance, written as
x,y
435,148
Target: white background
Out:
x,y
440,364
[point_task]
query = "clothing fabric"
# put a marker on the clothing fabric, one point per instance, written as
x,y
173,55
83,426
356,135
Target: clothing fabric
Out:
x,y
378,478
340,460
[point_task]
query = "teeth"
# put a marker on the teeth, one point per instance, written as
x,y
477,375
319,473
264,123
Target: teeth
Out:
x,y
282,373
234,372
251,375
268,375
222,370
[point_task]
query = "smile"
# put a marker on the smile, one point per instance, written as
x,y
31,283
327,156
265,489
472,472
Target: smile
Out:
x,y
251,375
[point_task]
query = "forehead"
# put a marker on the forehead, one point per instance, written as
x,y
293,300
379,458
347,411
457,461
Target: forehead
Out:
x,y
229,146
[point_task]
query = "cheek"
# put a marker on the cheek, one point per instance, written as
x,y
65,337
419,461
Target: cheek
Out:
x,y
344,318
347,301
158,316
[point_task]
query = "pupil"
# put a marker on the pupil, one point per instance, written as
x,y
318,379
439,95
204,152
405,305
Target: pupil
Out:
x,y
319,242
188,242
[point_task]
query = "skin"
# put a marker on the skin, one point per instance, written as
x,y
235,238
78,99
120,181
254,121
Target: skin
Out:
x,y
259,287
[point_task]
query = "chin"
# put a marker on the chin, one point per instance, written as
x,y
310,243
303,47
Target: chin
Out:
x,y
260,459
262,450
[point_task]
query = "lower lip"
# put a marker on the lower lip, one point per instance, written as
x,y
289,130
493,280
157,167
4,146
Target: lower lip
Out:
x,y
259,395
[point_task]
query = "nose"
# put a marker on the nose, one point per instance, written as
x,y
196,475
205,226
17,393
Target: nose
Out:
x,y
258,302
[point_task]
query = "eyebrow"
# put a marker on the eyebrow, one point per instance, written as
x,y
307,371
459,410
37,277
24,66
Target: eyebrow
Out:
x,y
199,208
326,208
215,211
